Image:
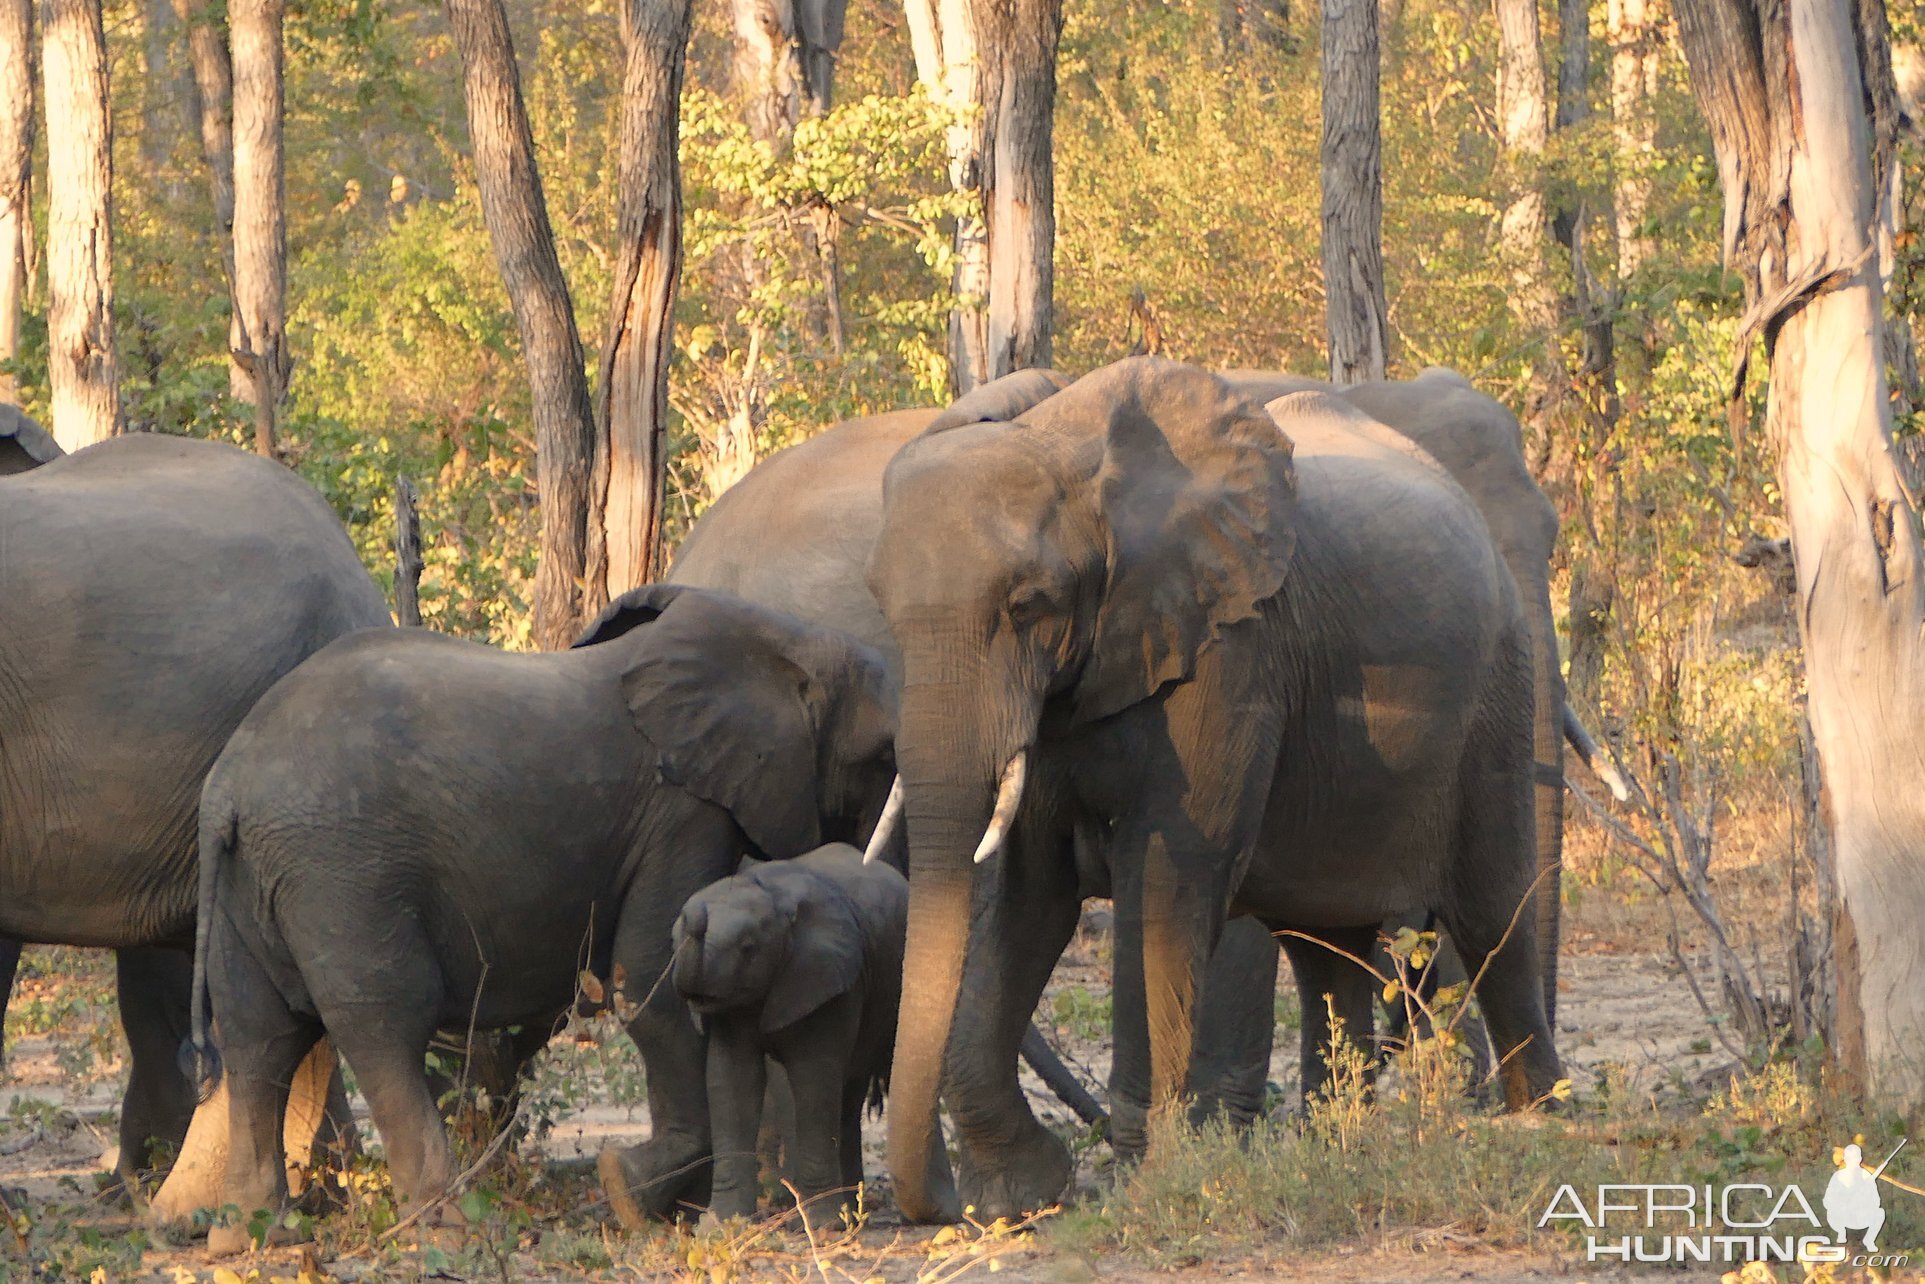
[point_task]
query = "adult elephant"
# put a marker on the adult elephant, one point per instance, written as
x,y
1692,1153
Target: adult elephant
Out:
x,y
1301,692
153,588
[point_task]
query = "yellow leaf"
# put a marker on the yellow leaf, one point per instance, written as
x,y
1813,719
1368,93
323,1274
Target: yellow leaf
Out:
x,y
1391,990
224,1276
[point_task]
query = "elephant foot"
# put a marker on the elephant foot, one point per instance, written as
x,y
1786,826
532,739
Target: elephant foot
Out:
x,y
228,1240
1029,1175
1129,1130
645,1183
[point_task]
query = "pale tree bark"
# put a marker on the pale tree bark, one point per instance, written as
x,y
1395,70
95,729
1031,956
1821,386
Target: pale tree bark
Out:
x,y
82,366
260,211
214,111
943,35
1784,85
16,172
1635,31
516,211
1353,194
627,491
1016,84
1523,115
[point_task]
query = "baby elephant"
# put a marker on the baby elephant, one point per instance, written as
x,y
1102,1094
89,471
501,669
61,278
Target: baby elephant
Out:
x,y
799,961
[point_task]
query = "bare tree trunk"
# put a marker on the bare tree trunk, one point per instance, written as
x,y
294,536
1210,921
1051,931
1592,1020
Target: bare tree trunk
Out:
x,y
1524,117
213,106
1786,90
785,56
160,91
83,369
407,556
1635,34
16,176
943,35
1016,41
1353,194
260,211
516,211
628,488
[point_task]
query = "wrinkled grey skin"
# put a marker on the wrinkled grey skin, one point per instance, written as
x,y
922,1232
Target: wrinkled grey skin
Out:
x,y
414,830
1298,691
798,962
153,588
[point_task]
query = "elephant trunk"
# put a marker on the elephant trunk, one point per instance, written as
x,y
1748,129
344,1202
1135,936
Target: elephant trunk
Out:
x,y
1547,741
954,764
688,951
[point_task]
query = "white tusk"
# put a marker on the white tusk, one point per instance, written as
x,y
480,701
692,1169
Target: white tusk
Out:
x,y
885,825
1009,796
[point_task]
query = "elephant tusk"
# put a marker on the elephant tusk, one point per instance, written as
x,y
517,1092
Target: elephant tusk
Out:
x,y
1601,766
885,825
1009,796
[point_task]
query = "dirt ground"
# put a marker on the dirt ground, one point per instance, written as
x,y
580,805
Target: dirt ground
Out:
x,y
1622,1005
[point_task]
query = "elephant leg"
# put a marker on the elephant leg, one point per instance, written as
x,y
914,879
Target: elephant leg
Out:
x,y
1024,916
1329,984
319,1124
648,1181
262,1043
816,1083
736,1085
854,1093
385,1044
1236,1026
9,965
154,985
1170,910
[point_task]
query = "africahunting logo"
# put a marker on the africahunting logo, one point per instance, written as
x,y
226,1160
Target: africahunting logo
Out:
x,y
1742,1222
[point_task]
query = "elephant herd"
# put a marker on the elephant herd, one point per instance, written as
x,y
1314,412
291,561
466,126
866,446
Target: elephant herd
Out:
x,y
1233,650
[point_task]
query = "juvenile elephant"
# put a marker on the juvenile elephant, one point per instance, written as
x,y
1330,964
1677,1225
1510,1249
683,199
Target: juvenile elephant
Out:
x,y
414,832
151,589
1297,691
799,962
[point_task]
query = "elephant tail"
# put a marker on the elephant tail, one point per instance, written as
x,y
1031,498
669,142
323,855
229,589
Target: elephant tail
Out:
x,y
200,1061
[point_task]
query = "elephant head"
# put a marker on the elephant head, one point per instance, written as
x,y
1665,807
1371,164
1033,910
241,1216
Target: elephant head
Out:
x,y
777,941
1077,559
788,726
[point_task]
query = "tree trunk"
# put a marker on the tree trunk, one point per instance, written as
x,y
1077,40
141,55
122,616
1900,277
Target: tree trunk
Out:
x,y
1524,118
82,367
213,106
1353,194
16,176
407,556
516,211
1017,88
628,487
785,55
1785,90
943,35
260,211
1634,33
160,92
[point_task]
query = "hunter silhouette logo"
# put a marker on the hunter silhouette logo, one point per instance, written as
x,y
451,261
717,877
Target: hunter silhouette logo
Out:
x,y
1740,1222
1852,1202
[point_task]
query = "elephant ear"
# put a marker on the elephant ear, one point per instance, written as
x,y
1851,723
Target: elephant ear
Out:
x,y
1198,496
825,949
631,610
24,444
711,687
1000,400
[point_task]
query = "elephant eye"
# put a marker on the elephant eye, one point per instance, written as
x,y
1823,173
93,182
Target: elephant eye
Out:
x,y
1027,603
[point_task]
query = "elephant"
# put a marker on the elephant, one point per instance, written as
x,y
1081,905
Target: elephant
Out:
x,y
1295,688
798,962
413,831
795,534
154,588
